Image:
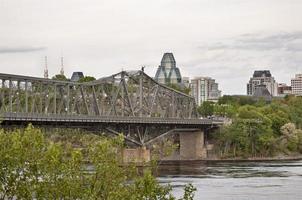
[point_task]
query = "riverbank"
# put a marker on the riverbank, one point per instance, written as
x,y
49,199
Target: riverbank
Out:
x,y
205,161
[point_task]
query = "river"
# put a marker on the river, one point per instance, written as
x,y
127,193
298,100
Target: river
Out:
x,y
238,180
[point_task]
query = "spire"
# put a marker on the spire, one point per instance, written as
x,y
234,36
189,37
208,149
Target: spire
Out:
x,y
46,68
62,66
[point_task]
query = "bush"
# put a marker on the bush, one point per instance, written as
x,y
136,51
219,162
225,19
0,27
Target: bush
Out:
x,y
32,166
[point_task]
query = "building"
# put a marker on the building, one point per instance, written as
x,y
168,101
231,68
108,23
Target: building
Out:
x,y
186,81
76,76
262,77
261,92
204,89
167,72
296,85
284,89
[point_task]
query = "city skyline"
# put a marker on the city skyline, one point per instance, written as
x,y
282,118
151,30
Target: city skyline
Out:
x,y
224,40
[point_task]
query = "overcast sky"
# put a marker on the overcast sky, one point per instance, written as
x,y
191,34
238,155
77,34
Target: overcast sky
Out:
x,y
224,39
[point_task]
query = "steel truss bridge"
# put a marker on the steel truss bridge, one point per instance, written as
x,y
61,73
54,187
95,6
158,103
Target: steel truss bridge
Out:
x,y
129,102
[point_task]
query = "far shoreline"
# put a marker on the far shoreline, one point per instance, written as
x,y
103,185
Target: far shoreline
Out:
x,y
228,160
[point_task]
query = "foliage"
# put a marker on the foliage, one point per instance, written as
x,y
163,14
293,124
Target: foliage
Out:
x,y
246,137
86,79
35,165
236,100
206,109
291,139
258,128
59,77
182,89
225,110
163,148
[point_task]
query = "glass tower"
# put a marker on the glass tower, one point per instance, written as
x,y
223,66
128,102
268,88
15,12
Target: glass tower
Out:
x,y
167,72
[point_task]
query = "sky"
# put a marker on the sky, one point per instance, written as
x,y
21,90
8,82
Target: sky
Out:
x,y
224,39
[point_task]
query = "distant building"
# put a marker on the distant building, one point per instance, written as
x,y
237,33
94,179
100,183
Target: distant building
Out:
x,y
296,85
167,72
284,89
186,81
265,78
204,89
261,92
76,76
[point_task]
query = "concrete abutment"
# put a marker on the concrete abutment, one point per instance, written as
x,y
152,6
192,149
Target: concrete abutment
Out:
x,y
192,145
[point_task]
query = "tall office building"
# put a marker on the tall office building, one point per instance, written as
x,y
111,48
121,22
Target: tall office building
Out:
x,y
204,89
296,85
262,78
167,72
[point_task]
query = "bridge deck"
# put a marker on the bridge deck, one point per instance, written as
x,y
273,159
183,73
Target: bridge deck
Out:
x,y
104,119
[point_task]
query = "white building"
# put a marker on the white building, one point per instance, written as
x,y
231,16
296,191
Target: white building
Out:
x,y
204,89
296,85
262,78
186,81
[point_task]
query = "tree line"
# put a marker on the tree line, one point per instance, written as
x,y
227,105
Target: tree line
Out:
x,y
258,128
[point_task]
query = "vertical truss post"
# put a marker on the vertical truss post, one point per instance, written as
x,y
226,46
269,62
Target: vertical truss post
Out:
x,y
55,98
10,96
18,100
141,94
96,105
173,104
26,96
122,92
46,99
68,99
2,94
190,109
84,100
153,101
41,97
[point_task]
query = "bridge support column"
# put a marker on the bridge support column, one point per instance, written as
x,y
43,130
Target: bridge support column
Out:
x,y
192,145
138,155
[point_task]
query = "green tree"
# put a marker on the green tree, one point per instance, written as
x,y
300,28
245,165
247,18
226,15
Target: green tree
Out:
x,y
182,89
206,109
295,108
87,79
59,77
33,166
225,110
291,138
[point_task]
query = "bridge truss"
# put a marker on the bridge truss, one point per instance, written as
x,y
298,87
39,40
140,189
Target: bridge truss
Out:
x,y
148,106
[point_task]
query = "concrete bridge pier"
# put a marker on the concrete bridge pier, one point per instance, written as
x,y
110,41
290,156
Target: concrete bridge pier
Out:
x,y
138,155
192,144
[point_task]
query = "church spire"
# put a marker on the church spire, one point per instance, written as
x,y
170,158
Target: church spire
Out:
x,y
46,68
62,66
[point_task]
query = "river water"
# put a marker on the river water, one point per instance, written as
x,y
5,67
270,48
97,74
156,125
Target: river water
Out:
x,y
243,180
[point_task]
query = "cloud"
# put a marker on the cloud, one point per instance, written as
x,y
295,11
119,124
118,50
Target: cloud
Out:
x,y
259,42
231,61
20,49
